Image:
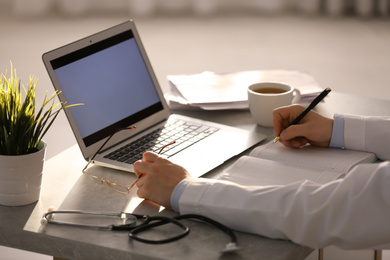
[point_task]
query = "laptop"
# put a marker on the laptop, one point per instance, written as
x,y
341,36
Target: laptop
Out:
x,y
110,74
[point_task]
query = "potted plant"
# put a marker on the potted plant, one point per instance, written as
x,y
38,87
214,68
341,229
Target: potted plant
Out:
x,y
22,150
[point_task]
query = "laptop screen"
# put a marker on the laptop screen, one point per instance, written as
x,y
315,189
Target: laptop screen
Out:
x,y
112,81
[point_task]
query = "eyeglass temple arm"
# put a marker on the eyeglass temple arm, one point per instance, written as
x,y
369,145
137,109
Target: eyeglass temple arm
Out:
x,y
105,142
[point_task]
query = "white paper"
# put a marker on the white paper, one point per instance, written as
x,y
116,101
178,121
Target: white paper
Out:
x,y
211,91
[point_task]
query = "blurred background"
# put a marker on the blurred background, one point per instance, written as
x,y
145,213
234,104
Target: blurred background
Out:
x,y
145,8
343,44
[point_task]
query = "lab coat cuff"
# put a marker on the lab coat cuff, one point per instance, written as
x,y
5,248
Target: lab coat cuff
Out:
x,y
176,194
354,133
193,194
337,139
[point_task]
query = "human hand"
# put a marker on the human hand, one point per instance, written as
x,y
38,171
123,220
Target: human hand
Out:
x,y
313,128
159,178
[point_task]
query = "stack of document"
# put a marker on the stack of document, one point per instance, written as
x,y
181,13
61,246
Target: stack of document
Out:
x,y
212,91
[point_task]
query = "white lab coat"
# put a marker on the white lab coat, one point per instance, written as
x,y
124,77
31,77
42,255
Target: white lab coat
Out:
x,y
353,213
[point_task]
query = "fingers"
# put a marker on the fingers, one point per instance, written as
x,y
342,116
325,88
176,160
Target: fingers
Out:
x,y
159,178
313,128
138,168
141,167
292,132
142,192
149,157
283,116
296,142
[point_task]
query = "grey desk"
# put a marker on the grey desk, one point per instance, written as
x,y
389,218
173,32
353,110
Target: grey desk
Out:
x,y
20,226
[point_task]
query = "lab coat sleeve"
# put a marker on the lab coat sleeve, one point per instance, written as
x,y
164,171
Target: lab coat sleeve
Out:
x,y
371,134
352,213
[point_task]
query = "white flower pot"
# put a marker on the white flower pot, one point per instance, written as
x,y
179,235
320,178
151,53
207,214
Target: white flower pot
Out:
x,y
21,177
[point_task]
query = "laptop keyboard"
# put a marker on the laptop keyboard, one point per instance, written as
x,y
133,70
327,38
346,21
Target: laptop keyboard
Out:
x,y
182,132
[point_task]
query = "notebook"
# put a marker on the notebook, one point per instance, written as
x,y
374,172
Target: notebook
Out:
x,y
110,74
275,164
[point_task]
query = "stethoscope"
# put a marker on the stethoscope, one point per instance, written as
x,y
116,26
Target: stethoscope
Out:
x,y
129,223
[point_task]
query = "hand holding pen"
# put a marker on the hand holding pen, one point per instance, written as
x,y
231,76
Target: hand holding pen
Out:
x,y
295,126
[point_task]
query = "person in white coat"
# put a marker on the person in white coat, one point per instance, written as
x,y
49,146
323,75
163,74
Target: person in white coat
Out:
x,y
353,213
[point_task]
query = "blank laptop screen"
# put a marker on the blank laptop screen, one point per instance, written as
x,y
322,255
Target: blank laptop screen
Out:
x,y
112,81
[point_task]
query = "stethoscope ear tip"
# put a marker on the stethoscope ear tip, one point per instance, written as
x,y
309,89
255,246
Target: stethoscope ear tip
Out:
x,y
44,221
230,247
47,216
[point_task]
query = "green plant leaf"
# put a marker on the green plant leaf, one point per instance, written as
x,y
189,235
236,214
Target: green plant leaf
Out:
x,y
21,128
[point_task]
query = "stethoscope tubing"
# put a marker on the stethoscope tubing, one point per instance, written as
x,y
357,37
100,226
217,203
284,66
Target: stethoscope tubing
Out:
x,y
148,223
216,224
160,221
48,218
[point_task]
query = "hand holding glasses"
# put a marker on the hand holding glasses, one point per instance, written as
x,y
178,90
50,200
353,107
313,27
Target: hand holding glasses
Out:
x,y
127,221
113,185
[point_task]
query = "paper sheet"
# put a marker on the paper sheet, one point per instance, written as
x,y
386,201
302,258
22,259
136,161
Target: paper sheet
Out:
x,y
210,91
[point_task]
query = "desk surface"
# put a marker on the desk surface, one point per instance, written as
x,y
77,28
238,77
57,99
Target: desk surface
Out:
x,y
21,226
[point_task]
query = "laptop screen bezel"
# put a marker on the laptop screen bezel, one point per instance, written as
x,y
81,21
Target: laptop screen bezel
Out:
x,y
84,44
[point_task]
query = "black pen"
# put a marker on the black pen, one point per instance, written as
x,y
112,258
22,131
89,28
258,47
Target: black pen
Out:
x,y
310,107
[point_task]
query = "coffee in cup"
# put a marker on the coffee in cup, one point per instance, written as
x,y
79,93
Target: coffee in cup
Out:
x,y
264,97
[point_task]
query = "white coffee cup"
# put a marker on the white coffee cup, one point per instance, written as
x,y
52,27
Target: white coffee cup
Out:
x,y
264,97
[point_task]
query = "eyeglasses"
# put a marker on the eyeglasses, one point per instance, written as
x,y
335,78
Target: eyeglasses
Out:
x,y
113,185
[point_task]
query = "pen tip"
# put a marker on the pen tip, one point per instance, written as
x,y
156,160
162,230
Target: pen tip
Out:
x,y
276,139
328,89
